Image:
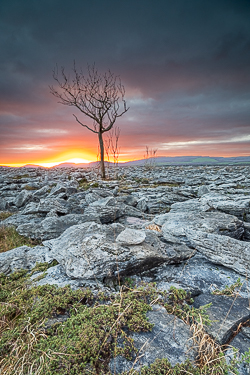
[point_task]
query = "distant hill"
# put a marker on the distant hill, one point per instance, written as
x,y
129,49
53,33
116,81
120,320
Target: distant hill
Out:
x,y
161,160
190,160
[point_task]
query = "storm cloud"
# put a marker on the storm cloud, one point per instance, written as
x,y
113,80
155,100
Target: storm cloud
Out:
x,y
185,66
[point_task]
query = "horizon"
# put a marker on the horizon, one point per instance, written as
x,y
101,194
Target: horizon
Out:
x,y
184,66
83,161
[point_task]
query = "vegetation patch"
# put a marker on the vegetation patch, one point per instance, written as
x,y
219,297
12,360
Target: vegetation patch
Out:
x,y
21,176
178,303
231,290
5,214
28,187
94,328
9,239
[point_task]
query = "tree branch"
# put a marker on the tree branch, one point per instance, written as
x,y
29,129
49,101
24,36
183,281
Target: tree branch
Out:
x,y
86,126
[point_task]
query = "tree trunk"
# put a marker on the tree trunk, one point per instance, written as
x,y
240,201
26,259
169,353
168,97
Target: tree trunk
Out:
x,y
102,155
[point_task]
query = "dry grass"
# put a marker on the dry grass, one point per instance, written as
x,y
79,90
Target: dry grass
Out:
x,y
5,214
9,239
154,227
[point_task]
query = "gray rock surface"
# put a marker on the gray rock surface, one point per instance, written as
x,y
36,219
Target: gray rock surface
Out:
x,y
222,250
226,314
170,338
90,250
53,226
24,257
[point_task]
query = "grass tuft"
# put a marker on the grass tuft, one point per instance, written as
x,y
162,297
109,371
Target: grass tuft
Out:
x,y
5,214
9,239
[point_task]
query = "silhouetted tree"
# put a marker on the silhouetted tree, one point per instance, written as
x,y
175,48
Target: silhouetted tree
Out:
x,y
98,96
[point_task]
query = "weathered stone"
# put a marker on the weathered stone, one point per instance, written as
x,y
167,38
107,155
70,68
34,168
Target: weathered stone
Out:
x,y
226,314
198,275
131,237
142,204
53,226
24,257
89,251
22,198
203,189
19,219
48,204
105,214
222,250
170,338
177,223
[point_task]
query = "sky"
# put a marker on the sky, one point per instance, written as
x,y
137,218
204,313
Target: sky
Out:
x,y
185,65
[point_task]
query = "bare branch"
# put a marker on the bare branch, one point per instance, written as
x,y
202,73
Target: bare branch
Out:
x,y
86,126
97,96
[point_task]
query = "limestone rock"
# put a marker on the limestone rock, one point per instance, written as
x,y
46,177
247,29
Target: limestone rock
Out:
x,y
24,257
170,338
90,251
131,237
222,250
226,314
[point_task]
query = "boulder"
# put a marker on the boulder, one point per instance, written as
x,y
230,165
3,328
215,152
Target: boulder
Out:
x,y
176,224
48,204
198,275
22,198
90,251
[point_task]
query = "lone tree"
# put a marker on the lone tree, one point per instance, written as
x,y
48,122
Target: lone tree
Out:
x,y
98,96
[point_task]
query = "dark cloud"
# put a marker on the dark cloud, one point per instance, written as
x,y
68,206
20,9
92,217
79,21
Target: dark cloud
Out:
x,y
185,65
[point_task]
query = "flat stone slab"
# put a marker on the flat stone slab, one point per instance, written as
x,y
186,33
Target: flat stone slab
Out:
x,y
226,314
131,237
224,250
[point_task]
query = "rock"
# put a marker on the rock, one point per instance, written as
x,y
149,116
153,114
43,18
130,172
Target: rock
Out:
x,y
92,197
104,202
142,205
41,192
116,191
242,340
3,204
90,251
170,338
222,250
198,275
246,231
177,224
131,237
53,226
19,219
48,204
24,257
226,314
233,205
22,198
203,189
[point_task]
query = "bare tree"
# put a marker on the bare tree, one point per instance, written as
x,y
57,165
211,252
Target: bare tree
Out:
x,y
98,96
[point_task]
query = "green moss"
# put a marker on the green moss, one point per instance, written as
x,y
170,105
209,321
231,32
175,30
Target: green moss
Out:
x,y
178,303
94,328
86,340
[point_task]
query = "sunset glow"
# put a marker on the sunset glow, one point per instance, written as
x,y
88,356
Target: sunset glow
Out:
x,y
187,88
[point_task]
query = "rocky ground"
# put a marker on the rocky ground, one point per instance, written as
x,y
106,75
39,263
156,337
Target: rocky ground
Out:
x,y
187,227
